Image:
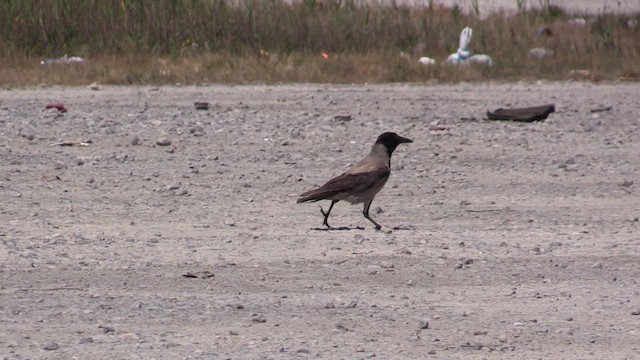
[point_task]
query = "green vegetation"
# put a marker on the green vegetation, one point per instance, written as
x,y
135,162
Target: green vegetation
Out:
x,y
199,41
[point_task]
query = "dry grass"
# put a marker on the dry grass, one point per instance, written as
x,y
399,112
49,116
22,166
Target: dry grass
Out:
x,y
197,41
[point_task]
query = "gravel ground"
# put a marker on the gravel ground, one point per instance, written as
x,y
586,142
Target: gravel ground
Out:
x,y
501,240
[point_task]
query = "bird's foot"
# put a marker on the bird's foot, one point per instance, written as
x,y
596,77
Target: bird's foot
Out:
x,y
323,214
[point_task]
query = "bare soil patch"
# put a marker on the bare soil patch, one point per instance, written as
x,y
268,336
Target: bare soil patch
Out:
x,y
512,240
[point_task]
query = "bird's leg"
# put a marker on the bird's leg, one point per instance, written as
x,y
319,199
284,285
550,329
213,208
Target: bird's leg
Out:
x,y
326,214
365,212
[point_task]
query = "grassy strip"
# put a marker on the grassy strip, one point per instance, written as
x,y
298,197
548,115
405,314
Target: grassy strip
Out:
x,y
198,41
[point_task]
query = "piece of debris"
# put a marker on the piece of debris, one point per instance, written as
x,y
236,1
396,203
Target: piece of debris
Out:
x,y
95,86
72,143
577,22
425,60
528,114
580,72
202,105
59,106
63,60
540,53
343,117
602,108
206,274
464,55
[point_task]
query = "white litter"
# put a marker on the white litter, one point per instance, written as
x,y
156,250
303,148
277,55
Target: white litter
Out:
x,y
464,56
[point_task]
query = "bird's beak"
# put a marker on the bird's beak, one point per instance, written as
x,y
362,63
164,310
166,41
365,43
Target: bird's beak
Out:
x,y
405,140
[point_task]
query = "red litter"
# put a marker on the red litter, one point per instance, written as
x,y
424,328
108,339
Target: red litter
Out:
x,y
59,106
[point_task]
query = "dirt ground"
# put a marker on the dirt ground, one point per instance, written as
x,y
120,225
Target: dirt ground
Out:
x,y
501,240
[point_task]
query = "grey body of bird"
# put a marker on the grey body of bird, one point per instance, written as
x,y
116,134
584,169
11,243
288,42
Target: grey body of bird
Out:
x,y
361,182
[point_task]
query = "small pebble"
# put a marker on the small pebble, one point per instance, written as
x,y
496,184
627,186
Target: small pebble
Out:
x,y
259,319
635,312
51,346
163,142
107,328
423,324
128,337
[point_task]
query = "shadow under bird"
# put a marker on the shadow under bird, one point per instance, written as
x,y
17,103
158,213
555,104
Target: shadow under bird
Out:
x,y
361,182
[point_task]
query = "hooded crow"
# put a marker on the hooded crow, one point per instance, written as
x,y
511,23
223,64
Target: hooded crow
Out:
x,y
362,181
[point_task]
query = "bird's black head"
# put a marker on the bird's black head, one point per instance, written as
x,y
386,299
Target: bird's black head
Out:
x,y
391,140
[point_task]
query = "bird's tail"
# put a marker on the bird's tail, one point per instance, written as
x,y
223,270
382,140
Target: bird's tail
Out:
x,y
314,195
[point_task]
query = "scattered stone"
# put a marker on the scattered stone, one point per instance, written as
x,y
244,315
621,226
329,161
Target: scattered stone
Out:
x,y
303,351
202,105
233,332
197,130
602,108
86,340
205,274
163,142
129,337
343,117
386,265
51,346
136,141
502,338
423,324
404,227
95,86
359,239
352,304
626,183
635,312
59,165
329,305
107,328
259,318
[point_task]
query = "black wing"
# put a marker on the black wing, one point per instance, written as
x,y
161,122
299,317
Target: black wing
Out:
x,y
346,183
